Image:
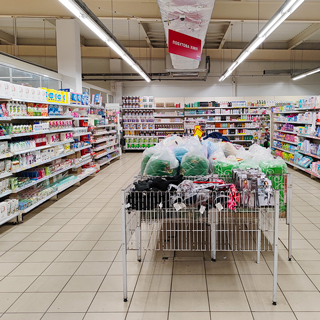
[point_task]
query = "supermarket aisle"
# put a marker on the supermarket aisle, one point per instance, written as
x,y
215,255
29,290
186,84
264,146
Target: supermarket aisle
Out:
x,y
65,263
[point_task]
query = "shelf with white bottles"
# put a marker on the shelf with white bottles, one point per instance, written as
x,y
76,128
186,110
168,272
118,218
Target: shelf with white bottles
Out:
x,y
42,162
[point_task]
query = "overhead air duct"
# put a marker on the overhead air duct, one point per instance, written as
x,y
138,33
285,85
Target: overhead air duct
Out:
x,y
190,17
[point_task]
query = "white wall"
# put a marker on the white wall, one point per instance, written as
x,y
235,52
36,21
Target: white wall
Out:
x,y
250,82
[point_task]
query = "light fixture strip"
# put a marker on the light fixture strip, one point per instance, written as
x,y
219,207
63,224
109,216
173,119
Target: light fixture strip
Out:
x,y
305,74
83,13
282,14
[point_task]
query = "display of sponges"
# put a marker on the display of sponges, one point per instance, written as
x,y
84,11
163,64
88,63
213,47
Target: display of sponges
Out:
x,y
163,163
194,164
224,167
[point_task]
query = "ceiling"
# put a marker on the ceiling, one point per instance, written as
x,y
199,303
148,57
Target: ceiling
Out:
x,y
137,24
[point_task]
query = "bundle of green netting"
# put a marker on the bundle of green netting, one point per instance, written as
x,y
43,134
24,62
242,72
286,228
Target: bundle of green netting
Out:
x,y
194,164
224,167
162,163
146,155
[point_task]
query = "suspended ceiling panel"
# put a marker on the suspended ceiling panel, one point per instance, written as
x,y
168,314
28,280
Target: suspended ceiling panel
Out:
x,y
245,32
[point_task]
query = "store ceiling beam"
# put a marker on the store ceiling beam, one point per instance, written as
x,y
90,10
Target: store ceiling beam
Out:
x,y
303,36
224,39
160,53
145,28
148,10
4,36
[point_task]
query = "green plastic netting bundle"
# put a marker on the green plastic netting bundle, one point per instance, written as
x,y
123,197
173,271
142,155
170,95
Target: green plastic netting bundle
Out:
x,y
194,163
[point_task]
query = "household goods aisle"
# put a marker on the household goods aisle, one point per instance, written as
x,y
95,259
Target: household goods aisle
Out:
x,y
64,262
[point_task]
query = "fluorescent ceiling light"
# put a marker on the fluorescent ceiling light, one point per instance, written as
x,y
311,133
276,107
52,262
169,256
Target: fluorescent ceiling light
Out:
x,y
305,74
282,14
84,16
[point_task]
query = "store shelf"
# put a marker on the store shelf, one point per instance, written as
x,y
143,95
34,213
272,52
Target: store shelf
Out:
x,y
167,116
291,122
100,148
96,107
135,148
43,162
28,117
306,136
100,133
198,115
286,141
241,141
84,118
166,123
232,128
308,154
39,132
168,108
81,134
12,216
140,136
103,140
291,132
4,194
61,142
38,203
30,150
40,180
61,117
5,175
297,166
108,160
138,108
5,119
6,137
211,121
111,125
82,148
283,150
168,129
82,163
86,174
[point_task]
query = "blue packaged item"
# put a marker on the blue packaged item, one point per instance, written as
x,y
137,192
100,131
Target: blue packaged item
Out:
x,y
318,151
305,162
211,148
179,152
297,157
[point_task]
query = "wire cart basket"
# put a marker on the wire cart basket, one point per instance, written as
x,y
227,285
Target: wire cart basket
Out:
x,y
205,220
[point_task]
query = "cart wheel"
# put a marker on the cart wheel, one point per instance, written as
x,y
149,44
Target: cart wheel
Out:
x,y
125,300
289,259
274,303
139,260
214,260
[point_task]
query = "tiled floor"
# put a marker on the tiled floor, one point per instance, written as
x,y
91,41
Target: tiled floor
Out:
x,y
64,262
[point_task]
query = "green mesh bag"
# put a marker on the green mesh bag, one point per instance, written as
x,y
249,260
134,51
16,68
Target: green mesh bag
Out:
x,y
194,164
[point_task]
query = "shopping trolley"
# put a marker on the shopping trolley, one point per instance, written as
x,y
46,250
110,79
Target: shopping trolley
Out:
x,y
204,220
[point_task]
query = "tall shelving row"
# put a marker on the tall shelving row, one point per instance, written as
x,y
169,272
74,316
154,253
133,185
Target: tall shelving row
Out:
x,y
296,134
47,146
241,121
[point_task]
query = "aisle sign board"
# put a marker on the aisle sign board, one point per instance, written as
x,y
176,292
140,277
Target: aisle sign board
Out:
x,y
184,45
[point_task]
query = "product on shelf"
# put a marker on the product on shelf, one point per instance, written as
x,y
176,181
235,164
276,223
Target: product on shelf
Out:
x,y
8,208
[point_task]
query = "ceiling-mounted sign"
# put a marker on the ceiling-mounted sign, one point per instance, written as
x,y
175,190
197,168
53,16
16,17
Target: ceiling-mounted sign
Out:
x,y
184,45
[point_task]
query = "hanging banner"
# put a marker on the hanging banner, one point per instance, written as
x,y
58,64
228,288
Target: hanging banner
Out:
x,y
184,45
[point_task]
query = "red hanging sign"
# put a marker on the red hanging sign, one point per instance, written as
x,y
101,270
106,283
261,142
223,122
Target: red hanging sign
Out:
x,y
184,45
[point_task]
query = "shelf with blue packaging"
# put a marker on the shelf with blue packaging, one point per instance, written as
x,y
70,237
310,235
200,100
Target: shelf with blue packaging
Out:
x,y
40,180
292,152
308,154
82,148
297,166
286,141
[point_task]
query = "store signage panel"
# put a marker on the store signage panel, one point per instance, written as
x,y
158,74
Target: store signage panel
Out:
x,y
184,45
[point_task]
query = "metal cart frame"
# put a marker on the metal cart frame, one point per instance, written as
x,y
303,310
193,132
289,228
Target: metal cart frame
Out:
x,y
173,221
